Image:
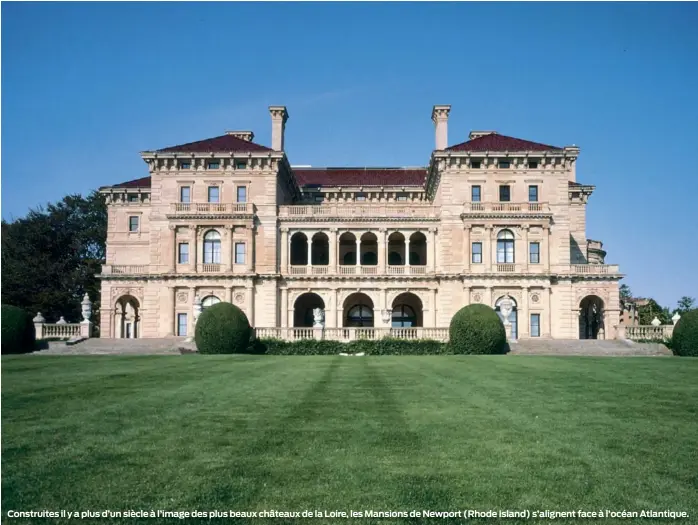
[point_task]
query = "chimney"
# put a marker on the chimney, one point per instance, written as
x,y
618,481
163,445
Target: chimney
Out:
x,y
279,116
440,117
478,134
244,135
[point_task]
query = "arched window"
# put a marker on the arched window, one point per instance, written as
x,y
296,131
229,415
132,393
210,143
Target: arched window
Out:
x,y
505,247
209,300
404,316
212,247
513,316
349,258
360,315
394,259
369,259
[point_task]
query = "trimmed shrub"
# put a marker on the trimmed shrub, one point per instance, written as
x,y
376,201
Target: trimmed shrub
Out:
x,y
222,329
684,340
477,329
387,346
18,335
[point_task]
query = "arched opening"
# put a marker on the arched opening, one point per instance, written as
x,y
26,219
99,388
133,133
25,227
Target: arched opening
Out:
x,y
127,318
396,249
505,247
513,316
418,249
320,249
208,301
347,249
303,309
299,249
369,249
212,247
407,311
591,310
358,311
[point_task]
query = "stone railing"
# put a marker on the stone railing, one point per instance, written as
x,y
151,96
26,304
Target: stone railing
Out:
x,y
351,334
650,332
63,329
506,207
594,269
348,210
207,208
125,269
211,268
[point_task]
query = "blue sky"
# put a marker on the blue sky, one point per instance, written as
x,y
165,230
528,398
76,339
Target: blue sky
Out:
x,y
86,86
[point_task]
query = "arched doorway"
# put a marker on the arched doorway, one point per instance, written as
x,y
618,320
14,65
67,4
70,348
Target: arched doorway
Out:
x,y
209,301
127,319
407,311
418,249
369,249
303,309
347,249
320,248
513,316
590,317
396,249
299,249
358,311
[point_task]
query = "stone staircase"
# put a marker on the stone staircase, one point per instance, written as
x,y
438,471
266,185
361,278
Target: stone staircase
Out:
x,y
96,346
590,347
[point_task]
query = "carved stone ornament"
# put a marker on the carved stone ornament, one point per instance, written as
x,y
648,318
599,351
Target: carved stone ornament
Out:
x,y
477,298
318,318
182,297
535,298
506,305
239,298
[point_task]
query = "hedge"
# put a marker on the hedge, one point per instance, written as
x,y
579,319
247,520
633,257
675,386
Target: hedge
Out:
x,y
18,334
477,329
387,346
222,329
684,339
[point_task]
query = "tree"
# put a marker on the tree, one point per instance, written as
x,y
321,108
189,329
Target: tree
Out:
x,y
50,258
625,292
647,312
685,304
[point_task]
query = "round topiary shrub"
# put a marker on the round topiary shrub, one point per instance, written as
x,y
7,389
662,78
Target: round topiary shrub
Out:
x,y
222,329
18,335
684,340
477,329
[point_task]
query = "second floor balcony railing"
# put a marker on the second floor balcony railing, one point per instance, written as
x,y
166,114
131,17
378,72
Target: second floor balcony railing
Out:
x,y
348,210
506,207
208,208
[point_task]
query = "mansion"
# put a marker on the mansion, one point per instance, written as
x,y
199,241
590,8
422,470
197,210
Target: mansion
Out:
x,y
356,252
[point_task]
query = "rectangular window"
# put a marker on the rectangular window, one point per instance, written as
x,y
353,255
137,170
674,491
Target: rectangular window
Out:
x,y
182,325
214,165
213,194
133,198
185,165
242,194
477,253
475,194
504,164
532,164
360,197
535,325
240,165
534,253
475,164
533,193
319,198
185,194
504,193
133,223
183,254
239,253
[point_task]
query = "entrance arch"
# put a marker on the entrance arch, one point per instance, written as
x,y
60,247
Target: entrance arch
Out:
x,y
358,311
591,311
407,311
513,316
303,309
127,318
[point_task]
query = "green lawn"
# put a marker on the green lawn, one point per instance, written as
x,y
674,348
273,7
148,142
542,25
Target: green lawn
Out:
x,y
246,433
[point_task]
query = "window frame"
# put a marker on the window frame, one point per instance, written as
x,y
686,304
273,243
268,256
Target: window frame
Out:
x,y
182,316
531,252
502,187
537,325
185,165
181,194
218,194
479,193
130,224
244,252
237,194
535,188
473,253
180,253
213,165
476,164
241,165
533,164
360,197
212,248
506,247
504,164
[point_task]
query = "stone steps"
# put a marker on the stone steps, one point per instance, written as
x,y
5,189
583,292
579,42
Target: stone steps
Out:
x,y
591,347
97,346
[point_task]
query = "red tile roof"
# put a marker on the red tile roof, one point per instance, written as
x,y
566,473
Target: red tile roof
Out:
x,y
222,144
361,176
136,183
496,142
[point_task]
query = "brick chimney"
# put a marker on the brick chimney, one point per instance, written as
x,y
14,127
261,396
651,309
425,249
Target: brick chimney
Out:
x,y
440,117
244,135
279,116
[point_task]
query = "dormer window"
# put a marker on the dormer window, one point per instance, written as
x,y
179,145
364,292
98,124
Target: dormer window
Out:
x,y
360,196
504,164
133,198
475,164
532,164
185,166
214,165
240,165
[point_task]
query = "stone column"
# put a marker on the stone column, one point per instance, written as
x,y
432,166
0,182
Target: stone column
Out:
x,y
432,306
524,324
488,299
407,252
546,239
358,250
228,294
249,249
382,248
431,257
284,308
227,249
487,249
548,316
466,298
527,251
175,248
467,250
249,289
331,315
309,236
285,245
194,234
171,331
333,251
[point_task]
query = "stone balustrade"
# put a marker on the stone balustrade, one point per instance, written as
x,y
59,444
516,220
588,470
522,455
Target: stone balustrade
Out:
x,y
345,334
595,269
649,332
208,208
62,331
125,269
349,210
505,207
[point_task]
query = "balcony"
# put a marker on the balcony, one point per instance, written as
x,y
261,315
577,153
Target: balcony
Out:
x,y
506,208
594,269
211,268
359,211
125,269
352,269
351,334
203,209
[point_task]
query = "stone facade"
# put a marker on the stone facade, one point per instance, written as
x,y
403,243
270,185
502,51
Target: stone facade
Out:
x,y
226,219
